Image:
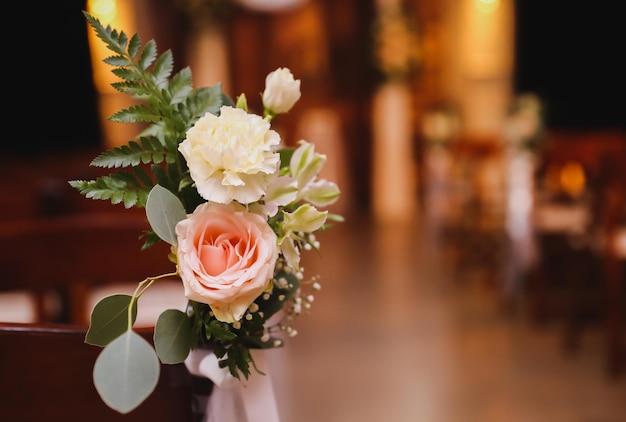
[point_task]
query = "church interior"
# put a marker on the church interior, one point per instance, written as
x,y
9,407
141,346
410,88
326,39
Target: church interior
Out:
x,y
480,148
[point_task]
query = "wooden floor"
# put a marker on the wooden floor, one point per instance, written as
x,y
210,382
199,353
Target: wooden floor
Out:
x,y
397,334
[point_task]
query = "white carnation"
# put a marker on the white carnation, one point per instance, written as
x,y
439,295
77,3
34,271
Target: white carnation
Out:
x,y
231,156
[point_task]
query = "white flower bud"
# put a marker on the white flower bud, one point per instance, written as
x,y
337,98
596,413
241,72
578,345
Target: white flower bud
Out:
x,y
281,91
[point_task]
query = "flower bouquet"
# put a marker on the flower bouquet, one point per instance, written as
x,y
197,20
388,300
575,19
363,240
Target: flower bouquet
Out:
x,y
236,205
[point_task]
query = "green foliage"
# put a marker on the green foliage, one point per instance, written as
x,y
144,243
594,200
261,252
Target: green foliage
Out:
x,y
232,345
109,319
126,372
164,210
170,105
149,149
173,336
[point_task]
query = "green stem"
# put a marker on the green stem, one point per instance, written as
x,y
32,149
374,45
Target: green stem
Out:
x,y
140,290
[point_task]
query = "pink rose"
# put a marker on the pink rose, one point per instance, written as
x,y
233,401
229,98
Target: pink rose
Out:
x,y
226,257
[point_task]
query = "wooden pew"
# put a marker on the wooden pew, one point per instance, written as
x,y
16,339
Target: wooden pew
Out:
x,y
70,255
46,375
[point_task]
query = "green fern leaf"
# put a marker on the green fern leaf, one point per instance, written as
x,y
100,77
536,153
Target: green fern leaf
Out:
x,y
118,61
180,86
151,239
142,197
148,55
129,179
114,41
122,156
136,89
171,144
127,73
162,178
163,68
129,198
134,45
203,100
144,178
101,188
135,113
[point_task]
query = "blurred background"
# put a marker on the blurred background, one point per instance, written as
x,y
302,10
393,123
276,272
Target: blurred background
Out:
x,y
480,146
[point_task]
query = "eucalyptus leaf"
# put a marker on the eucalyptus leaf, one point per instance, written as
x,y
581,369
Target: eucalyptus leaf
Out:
x,y
173,336
164,210
126,372
109,319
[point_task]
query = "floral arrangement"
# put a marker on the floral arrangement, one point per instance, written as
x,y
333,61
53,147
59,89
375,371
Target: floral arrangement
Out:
x,y
236,205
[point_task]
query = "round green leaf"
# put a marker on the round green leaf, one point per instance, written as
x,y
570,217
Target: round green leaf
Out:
x,y
172,336
164,210
126,372
109,319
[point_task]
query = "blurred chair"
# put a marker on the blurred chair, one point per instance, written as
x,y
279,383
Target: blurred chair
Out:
x,y
476,233
613,244
565,282
47,375
68,257
574,212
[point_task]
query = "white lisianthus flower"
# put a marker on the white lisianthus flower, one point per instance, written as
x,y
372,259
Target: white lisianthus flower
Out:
x,y
321,193
305,219
291,253
281,91
231,156
305,163
281,192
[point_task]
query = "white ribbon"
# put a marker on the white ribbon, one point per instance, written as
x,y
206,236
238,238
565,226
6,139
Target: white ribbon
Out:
x,y
234,400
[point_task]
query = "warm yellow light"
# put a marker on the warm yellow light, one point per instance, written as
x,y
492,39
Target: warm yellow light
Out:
x,y
105,10
487,6
572,178
119,14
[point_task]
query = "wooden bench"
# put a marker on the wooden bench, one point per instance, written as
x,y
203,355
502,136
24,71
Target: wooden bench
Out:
x,y
70,255
46,375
